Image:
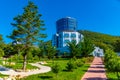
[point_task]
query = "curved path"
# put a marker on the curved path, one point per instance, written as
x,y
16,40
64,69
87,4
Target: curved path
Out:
x,y
96,71
42,69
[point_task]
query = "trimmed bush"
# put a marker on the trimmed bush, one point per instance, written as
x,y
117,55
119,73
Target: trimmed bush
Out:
x,y
79,62
70,65
56,68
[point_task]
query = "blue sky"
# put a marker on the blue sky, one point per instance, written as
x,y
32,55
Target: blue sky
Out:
x,y
95,15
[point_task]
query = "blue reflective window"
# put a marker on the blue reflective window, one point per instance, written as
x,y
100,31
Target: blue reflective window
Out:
x,y
73,35
66,35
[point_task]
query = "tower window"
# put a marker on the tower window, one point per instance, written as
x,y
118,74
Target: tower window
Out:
x,y
73,35
66,35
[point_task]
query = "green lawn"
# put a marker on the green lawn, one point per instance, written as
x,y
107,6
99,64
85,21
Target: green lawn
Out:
x,y
2,76
19,66
111,76
63,75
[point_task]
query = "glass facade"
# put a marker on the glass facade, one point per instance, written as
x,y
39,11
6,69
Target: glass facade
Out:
x,y
66,41
73,35
66,24
66,32
66,35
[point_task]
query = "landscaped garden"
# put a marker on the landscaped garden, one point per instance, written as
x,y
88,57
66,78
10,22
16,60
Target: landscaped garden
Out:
x,y
64,73
28,47
74,70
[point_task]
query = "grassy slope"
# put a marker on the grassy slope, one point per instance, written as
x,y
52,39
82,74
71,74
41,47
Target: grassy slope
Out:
x,y
100,37
63,75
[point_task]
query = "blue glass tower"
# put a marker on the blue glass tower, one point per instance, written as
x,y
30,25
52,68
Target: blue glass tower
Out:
x,y
66,32
66,24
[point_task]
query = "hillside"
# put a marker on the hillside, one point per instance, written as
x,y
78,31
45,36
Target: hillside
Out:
x,y
100,39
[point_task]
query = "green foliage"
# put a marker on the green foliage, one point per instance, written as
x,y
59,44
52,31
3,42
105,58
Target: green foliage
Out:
x,y
9,50
30,55
99,39
79,62
41,50
76,74
112,62
2,75
109,55
1,52
86,47
117,46
70,65
56,68
19,66
49,50
75,49
28,28
2,45
83,48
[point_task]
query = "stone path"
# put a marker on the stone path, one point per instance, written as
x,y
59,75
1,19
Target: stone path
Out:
x,y
42,69
96,71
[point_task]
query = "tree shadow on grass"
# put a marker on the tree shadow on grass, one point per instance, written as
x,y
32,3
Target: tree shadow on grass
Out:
x,y
85,70
45,77
65,70
86,66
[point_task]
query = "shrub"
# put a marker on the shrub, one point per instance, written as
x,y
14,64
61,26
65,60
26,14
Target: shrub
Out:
x,y
83,60
56,68
70,65
79,62
112,62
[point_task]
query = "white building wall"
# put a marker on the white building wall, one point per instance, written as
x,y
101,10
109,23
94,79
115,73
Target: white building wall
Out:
x,y
98,52
65,37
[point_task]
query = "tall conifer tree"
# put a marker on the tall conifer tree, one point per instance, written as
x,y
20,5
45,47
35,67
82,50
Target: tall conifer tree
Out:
x,y
28,28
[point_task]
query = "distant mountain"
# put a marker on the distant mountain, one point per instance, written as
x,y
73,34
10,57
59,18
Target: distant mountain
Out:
x,y
100,39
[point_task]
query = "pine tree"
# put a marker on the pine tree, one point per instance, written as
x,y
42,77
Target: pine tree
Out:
x,y
28,28
49,50
75,49
86,47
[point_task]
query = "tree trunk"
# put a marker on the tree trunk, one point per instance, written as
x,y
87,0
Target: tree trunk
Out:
x,y
25,62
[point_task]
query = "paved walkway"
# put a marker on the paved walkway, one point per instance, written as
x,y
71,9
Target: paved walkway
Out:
x,y
42,69
96,71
